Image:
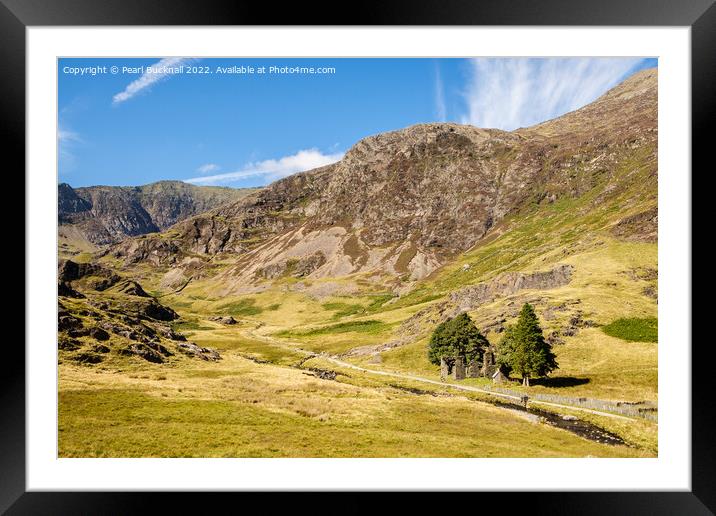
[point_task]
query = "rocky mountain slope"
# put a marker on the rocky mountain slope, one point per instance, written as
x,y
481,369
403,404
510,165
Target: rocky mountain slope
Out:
x,y
402,204
108,214
103,317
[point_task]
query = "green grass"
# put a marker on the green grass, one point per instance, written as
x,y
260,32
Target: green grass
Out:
x,y
370,326
634,329
188,324
253,348
130,423
378,301
241,307
343,309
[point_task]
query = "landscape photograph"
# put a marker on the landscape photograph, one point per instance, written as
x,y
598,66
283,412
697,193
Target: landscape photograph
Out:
x,y
357,257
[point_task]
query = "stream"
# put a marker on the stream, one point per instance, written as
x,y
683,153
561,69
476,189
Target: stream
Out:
x,y
576,426
571,424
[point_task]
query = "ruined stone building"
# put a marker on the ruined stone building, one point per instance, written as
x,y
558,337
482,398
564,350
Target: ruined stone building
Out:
x,y
458,370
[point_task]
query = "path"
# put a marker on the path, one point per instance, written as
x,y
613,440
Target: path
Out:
x,y
428,380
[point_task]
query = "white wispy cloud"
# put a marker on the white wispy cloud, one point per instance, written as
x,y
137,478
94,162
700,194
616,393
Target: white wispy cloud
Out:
x,y
159,71
208,168
66,141
63,135
272,169
440,109
508,93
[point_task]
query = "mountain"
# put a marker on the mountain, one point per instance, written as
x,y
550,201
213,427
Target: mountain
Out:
x,y
107,214
305,309
401,205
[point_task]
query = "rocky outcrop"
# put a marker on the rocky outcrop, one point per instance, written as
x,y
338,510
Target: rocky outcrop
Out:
x,y
108,214
575,323
323,374
154,251
295,267
227,320
131,288
68,203
64,289
150,351
640,227
471,298
98,334
208,354
136,308
94,326
68,271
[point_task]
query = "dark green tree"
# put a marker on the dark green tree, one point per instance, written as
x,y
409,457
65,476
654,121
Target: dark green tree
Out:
x,y
457,337
524,350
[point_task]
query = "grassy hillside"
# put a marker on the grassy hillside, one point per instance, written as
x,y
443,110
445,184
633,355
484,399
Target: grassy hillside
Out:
x,y
314,299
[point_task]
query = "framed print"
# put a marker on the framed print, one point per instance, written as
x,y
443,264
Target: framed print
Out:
x,y
442,250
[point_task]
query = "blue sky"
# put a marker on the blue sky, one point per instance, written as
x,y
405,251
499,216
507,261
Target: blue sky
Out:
x,y
141,125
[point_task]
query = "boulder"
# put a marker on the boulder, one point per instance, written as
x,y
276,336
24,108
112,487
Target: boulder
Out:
x,y
554,338
88,358
78,332
150,351
66,322
191,349
98,334
228,320
157,311
323,374
168,333
67,344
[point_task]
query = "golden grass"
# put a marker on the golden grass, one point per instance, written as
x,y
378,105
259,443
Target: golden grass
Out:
x,y
237,408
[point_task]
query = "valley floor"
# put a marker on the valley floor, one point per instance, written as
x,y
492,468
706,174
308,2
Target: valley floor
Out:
x,y
264,399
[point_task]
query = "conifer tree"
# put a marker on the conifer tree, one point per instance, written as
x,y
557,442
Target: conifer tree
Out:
x,y
524,350
457,337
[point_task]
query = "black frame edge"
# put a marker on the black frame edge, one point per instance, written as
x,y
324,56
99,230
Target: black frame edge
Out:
x,y
12,133
371,12
703,114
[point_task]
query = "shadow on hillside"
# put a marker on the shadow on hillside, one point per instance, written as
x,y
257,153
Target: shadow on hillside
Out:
x,y
560,381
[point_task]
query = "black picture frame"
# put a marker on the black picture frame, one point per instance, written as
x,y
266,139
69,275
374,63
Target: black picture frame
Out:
x,y
17,15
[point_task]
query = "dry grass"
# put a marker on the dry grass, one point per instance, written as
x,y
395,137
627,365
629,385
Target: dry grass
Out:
x,y
237,408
